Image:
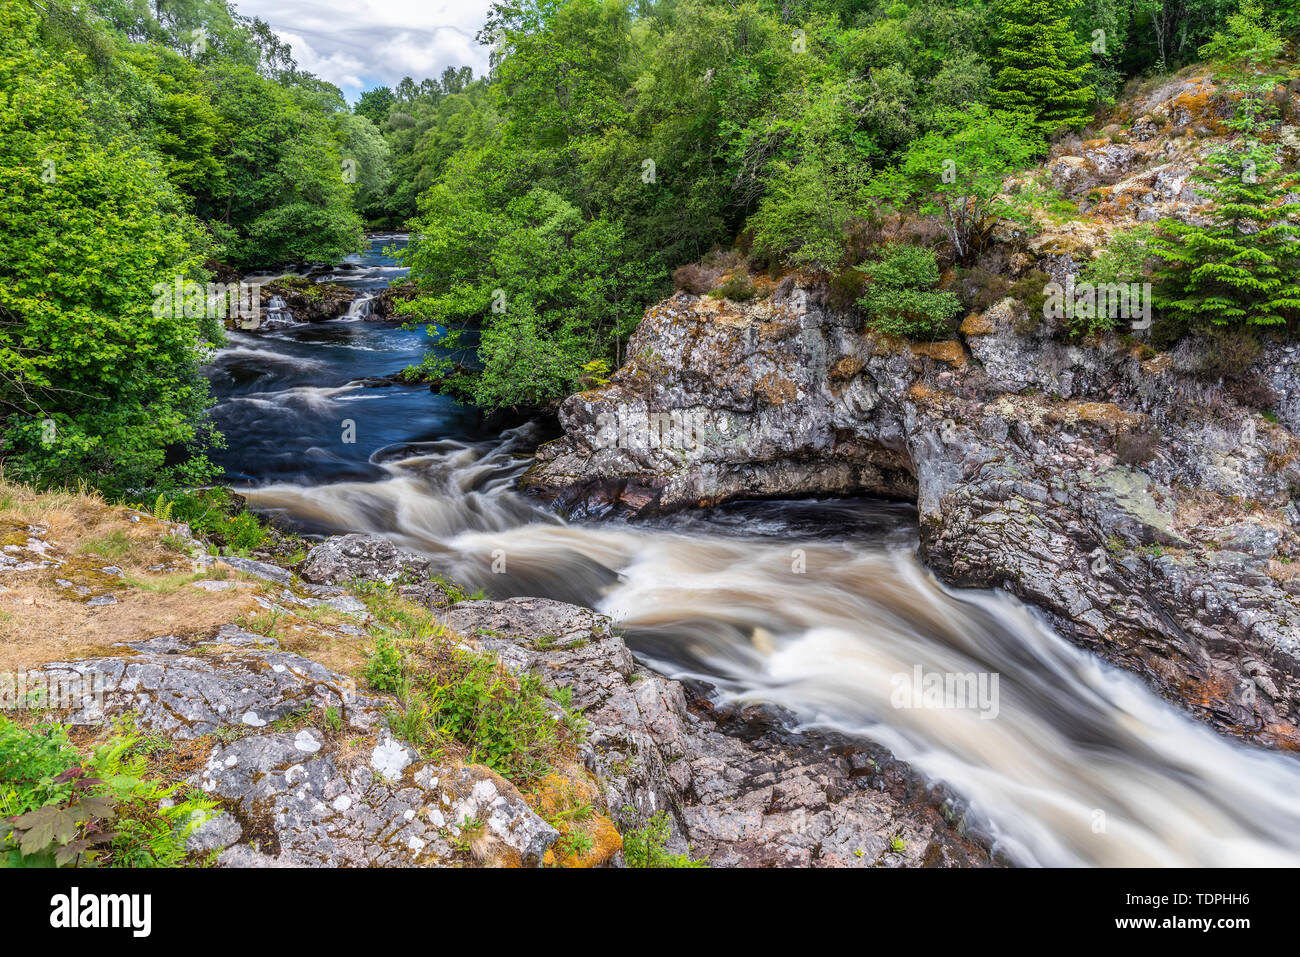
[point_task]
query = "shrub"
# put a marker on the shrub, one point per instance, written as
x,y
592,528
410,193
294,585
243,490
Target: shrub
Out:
x,y
693,279
738,288
1136,448
1229,352
902,300
644,847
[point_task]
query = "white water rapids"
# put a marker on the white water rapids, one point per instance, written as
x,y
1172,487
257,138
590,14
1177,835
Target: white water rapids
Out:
x,y
1081,765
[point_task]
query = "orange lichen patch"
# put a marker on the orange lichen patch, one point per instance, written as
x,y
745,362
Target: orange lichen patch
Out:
x,y
844,369
775,390
949,351
1282,736
887,345
1096,413
775,330
924,395
605,843
1198,105
977,324
568,803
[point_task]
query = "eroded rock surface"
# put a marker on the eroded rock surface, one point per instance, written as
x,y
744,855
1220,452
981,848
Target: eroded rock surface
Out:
x,y
1145,509
743,800
307,772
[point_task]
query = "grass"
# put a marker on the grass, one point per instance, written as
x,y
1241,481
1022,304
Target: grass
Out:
x,y
450,696
115,545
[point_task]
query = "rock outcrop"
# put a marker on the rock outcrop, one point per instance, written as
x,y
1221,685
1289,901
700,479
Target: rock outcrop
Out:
x,y
1147,511
307,770
756,798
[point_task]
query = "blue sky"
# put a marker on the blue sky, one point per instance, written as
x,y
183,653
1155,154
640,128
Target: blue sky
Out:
x,y
360,44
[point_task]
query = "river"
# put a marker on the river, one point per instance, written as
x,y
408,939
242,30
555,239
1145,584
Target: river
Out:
x,y
819,607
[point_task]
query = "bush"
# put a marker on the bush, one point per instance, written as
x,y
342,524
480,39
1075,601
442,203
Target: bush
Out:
x,y
693,279
902,300
1136,448
62,809
737,288
645,847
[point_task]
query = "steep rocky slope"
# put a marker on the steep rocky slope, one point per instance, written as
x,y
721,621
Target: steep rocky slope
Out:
x,y
1146,509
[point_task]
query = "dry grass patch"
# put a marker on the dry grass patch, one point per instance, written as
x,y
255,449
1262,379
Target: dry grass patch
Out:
x,y
41,622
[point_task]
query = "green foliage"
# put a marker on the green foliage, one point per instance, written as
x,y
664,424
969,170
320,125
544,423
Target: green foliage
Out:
x,y
901,299
540,286
1126,259
616,141
1039,64
738,288
1243,266
956,172
448,693
61,808
1248,46
93,384
644,847
211,513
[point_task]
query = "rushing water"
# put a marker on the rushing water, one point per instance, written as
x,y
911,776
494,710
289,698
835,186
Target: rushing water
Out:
x,y
819,607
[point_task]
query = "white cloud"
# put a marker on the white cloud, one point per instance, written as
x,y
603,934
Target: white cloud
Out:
x,y
359,44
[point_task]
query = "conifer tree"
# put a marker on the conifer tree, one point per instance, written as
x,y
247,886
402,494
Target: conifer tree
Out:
x,y
1039,64
1242,267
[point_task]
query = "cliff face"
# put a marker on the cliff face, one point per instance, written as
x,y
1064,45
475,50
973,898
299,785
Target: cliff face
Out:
x,y
1144,509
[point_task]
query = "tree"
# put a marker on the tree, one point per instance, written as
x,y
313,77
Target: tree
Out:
x,y
956,172
375,105
1242,267
1039,64
94,384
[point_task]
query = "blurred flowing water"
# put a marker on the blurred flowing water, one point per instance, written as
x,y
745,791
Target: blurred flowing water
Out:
x,y
821,608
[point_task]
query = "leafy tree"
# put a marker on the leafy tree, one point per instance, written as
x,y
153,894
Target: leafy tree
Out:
x,y
375,105
1249,45
93,383
1242,267
288,197
365,156
956,172
1039,64
541,287
902,300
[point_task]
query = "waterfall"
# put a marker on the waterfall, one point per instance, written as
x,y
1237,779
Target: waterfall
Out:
x,y
358,309
825,610
277,314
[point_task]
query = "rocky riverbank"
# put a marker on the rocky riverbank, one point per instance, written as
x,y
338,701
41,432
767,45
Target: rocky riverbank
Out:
x,y
1147,507
251,679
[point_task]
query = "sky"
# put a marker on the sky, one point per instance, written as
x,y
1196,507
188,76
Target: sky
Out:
x,y
361,44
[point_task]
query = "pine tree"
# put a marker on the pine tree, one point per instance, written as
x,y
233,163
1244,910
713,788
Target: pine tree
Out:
x,y
1242,267
1040,63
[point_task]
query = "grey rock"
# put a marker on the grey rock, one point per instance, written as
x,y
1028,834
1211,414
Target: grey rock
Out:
x,y
272,573
1010,443
759,802
216,833
344,558
179,687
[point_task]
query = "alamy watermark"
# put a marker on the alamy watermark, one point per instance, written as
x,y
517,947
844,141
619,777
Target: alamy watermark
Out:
x,y
185,298
674,430
45,691
948,690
